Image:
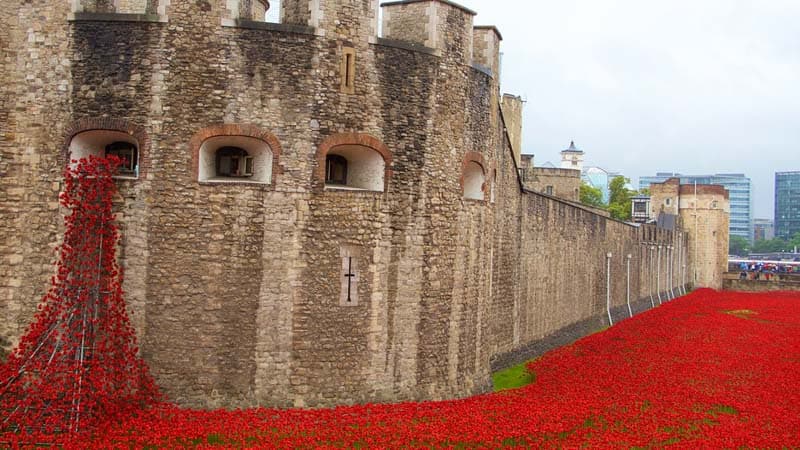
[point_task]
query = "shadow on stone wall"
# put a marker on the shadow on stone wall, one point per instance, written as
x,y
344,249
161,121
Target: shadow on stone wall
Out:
x,y
4,348
571,333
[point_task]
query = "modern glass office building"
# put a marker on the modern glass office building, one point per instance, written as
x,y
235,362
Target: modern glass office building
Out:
x,y
598,178
787,204
737,184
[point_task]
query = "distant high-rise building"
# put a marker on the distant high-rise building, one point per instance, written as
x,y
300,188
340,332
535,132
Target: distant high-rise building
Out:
x,y
737,184
598,178
763,229
787,204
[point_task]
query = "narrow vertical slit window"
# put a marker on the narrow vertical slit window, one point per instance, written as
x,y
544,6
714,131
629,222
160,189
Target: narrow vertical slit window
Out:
x,y
349,275
348,72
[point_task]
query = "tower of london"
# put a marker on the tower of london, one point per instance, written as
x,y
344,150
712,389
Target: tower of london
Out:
x,y
311,213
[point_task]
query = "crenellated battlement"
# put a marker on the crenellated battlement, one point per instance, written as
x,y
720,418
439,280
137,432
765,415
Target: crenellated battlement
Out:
x,y
444,27
486,48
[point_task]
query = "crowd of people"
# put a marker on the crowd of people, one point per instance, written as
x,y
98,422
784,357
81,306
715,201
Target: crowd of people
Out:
x,y
766,270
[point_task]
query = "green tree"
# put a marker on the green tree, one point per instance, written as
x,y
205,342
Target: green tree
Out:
x,y
795,241
738,246
619,198
769,246
591,196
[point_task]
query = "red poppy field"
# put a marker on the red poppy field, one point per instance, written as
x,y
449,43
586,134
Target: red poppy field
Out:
x,y
712,369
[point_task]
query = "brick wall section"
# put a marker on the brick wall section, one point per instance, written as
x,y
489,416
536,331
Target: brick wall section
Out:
x,y
235,288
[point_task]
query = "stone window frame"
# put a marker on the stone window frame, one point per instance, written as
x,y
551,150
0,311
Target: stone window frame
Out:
x,y
137,132
235,130
355,139
347,71
473,158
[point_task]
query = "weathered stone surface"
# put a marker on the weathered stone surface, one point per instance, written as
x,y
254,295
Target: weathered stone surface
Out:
x,y
235,288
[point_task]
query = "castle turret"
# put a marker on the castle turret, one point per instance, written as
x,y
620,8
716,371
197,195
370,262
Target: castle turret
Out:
x,y
486,49
572,157
438,24
511,105
336,19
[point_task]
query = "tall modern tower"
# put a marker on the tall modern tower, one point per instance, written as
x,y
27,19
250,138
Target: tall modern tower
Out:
x,y
787,204
738,186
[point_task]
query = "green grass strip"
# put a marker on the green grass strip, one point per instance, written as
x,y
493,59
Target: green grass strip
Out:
x,y
513,377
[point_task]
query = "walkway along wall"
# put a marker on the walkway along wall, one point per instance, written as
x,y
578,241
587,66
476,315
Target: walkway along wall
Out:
x,y
283,289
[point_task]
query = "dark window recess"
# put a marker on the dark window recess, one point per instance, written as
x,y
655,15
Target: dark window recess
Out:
x,y
234,162
335,170
129,155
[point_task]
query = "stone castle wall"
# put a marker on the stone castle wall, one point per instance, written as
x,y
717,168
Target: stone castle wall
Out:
x,y
561,183
236,288
731,281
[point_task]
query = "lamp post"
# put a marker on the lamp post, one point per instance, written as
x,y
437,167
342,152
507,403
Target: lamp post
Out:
x,y
608,288
628,290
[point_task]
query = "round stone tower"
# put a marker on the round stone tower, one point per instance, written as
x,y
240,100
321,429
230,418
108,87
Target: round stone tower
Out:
x,y
307,210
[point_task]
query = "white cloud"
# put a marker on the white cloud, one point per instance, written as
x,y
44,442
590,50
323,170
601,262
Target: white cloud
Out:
x,y
644,86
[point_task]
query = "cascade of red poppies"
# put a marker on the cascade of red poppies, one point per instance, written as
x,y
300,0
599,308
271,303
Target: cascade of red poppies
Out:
x,y
77,364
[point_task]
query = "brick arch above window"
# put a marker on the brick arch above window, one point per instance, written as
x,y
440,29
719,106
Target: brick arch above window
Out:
x,y
235,130
353,140
88,124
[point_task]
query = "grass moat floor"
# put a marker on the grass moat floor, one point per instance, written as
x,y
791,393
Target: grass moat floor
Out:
x,y
709,370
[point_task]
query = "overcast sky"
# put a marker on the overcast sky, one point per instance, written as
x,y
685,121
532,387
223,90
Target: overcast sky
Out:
x,y
693,86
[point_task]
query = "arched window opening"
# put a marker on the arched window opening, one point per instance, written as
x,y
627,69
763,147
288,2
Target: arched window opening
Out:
x,y
104,143
474,181
354,167
227,159
335,170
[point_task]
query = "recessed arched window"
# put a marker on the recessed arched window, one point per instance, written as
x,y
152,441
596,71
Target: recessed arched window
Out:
x,y
474,180
354,167
335,170
353,162
235,159
104,143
